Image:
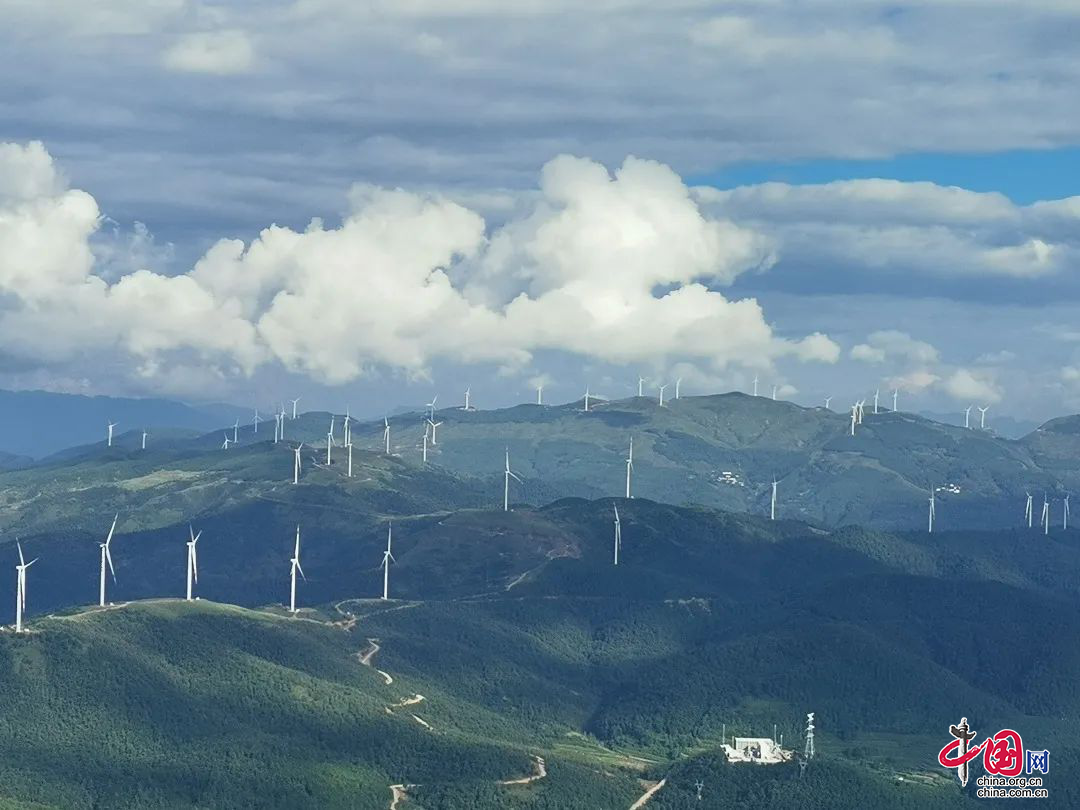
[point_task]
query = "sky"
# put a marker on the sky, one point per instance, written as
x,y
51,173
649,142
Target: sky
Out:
x,y
367,203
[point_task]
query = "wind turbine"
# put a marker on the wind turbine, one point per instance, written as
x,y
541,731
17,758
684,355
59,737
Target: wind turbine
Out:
x,y
877,394
348,429
586,399
277,427
755,384
144,435
539,395
862,410
507,475
774,393
349,445
20,589
854,417
387,558
827,401
431,405
982,417
640,386
281,423
967,417
433,426
236,432
192,562
225,444
426,429
294,401
386,434
1046,515
255,422
468,392
295,563
296,464
629,466
895,394
772,503
1029,511
678,383
932,511
662,387
618,533
111,426
329,442
332,439
1065,513
106,559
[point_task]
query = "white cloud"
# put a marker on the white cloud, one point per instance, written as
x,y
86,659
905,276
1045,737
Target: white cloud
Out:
x,y
972,386
894,345
223,53
605,267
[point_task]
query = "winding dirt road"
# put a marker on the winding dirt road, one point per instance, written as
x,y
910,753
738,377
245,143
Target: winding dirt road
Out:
x,y
648,794
539,772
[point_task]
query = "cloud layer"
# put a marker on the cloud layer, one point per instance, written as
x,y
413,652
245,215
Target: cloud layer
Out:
x,y
615,267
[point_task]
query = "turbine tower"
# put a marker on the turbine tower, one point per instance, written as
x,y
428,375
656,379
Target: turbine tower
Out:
x,y
468,392
808,752
1029,512
1065,513
144,435
930,528
255,422
640,386
982,417
386,435
772,504
854,417
225,444
755,384
433,426
294,402
507,475
281,422
618,533
678,385
431,406
20,588
109,440
106,559
539,395
774,392
967,417
192,562
236,432
386,560
877,394
827,401
1046,515
349,445
277,427
426,429
586,399
295,566
895,394
662,387
629,466
296,464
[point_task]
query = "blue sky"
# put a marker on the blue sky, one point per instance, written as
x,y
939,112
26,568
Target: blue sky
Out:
x,y
836,197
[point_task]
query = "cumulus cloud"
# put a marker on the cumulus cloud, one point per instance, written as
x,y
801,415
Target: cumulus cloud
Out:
x,y
223,53
894,345
615,267
972,386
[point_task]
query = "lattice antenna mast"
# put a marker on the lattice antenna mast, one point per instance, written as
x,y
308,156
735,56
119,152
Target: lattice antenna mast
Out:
x,y
700,786
808,753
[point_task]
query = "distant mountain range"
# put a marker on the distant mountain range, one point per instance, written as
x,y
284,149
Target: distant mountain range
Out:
x,y
34,424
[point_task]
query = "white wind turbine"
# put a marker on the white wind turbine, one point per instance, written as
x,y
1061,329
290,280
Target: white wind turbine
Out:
x,y
755,384
930,529
255,421
618,533
586,399
386,435
640,386
629,466
862,409
225,444
192,562
109,440
106,559
329,442
877,395
1029,511
1046,515
349,446
20,589
507,475
827,401
236,432
386,560
431,406
433,426
854,417
332,439
772,503
982,417
277,427
1065,513
294,403
662,387
144,435
281,423
774,393
427,427
539,395
678,385
967,417
295,566
347,429
895,394
296,463
468,393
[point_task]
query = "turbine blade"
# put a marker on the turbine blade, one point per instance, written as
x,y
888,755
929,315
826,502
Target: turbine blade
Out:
x,y
301,570
111,530
108,559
